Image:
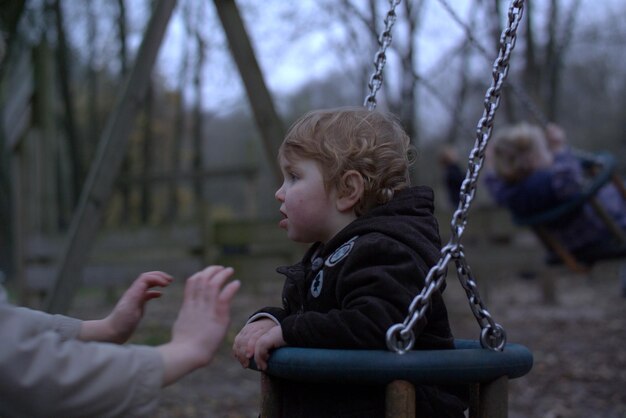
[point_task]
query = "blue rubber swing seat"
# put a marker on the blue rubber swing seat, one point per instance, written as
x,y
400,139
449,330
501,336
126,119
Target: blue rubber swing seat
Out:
x,y
467,363
485,371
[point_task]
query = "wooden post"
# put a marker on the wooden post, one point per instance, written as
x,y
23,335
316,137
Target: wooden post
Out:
x,y
267,119
548,286
270,397
565,255
490,400
107,162
46,139
15,119
400,400
17,207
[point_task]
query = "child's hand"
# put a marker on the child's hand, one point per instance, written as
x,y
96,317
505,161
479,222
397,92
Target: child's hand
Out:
x,y
123,320
246,340
269,341
555,137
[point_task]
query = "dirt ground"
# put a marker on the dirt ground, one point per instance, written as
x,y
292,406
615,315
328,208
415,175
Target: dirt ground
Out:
x,y
578,343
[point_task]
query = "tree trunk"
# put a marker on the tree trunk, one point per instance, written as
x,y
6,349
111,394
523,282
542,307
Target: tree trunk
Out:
x,y
146,156
73,143
106,165
124,186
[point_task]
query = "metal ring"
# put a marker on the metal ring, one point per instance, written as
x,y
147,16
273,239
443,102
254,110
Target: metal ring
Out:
x,y
395,341
493,338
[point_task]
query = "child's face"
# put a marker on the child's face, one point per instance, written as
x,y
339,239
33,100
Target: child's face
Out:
x,y
308,209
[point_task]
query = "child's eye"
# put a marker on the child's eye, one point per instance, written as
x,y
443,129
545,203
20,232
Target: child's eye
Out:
x,y
292,176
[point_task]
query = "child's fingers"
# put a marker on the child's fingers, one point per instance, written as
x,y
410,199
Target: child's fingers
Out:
x,y
261,355
243,360
240,354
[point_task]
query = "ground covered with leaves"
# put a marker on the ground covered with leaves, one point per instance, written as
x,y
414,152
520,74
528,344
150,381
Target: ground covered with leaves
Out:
x,y
578,343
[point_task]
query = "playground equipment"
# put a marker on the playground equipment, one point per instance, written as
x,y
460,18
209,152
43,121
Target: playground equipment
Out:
x,y
485,365
601,171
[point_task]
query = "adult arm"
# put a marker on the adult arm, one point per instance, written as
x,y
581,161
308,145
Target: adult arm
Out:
x,y
120,324
74,378
68,377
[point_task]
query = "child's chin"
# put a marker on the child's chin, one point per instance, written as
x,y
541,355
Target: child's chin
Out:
x,y
299,239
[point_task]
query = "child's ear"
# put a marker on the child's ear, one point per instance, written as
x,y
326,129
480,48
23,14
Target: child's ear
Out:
x,y
350,190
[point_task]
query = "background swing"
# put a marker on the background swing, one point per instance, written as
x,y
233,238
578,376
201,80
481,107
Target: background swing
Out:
x,y
600,170
484,365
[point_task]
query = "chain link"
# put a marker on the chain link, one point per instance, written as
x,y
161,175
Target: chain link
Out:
x,y
400,337
384,40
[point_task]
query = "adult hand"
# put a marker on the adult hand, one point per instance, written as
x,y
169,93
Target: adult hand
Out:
x,y
123,320
201,324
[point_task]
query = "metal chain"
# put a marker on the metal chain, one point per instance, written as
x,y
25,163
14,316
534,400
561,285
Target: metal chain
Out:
x,y
400,337
384,40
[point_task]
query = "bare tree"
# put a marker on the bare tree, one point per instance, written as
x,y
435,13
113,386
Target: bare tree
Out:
x,y
92,79
197,121
371,18
146,154
557,47
64,71
124,186
171,210
463,76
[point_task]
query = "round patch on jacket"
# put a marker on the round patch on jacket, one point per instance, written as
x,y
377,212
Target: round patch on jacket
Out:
x,y
340,253
317,263
318,282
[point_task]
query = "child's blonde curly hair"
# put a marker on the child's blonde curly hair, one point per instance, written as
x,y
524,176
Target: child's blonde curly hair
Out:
x,y
372,143
519,150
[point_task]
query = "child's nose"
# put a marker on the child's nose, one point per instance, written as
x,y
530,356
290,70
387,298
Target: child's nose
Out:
x,y
279,195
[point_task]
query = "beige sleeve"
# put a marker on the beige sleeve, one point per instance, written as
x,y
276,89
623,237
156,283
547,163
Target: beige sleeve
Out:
x,y
68,377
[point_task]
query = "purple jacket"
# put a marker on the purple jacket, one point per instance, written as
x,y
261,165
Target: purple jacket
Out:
x,y
553,186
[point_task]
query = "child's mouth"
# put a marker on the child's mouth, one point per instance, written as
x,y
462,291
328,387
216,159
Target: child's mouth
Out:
x,y
283,222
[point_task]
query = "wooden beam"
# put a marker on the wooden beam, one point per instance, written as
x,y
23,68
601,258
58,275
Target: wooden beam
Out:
x,y
494,399
269,123
107,162
270,397
46,143
400,400
18,85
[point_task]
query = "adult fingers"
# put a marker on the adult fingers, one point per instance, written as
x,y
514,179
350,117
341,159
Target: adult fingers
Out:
x,y
229,291
155,278
196,283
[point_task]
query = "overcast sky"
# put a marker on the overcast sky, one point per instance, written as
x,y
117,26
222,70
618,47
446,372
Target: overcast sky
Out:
x,y
290,61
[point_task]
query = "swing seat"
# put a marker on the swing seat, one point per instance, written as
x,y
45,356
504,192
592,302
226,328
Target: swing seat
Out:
x,y
486,372
601,168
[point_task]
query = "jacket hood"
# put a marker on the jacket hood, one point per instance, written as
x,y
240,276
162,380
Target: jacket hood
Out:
x,y
408,218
